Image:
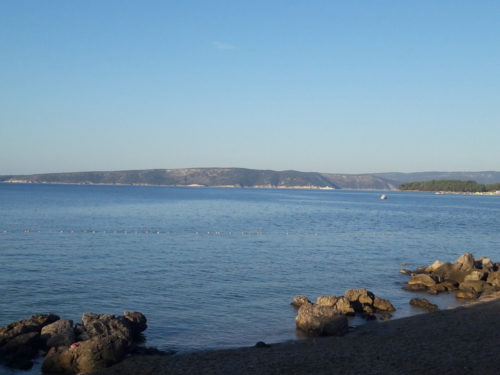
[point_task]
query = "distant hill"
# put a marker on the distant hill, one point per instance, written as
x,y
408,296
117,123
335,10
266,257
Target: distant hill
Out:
x,y
231,177
489,177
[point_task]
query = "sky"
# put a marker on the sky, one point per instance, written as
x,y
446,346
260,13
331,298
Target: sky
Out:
x,y
353,86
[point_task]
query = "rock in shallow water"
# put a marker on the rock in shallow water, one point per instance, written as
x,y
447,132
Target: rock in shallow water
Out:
x,y
422,302
107,340
19,341
321,320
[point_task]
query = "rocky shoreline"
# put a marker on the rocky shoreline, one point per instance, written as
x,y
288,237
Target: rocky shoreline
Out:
x,y
451,341
462,340
98,342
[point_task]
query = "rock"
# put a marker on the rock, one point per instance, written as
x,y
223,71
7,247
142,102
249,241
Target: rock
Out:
x,y
434,266
493,276
447,272
25,339
340,303
18,357
422,302
432,291
326,301
360,299
108,340
496,283
414,287
91,355
321,320
102,325
466,295
383,304
136,321
464,263
484,263
33,324
60,340
59,333
386,316
472,286
18,340
440,288
424,279
490,290
449,285
408,272
475,276
300,300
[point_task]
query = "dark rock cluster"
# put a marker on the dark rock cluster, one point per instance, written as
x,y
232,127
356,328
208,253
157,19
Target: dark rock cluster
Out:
x,y
469,277
21,341
98,342
328,316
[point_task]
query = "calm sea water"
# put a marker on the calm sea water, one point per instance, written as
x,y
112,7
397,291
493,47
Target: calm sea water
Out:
x,y
218,267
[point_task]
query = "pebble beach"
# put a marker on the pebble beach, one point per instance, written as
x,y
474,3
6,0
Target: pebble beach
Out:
x,y
462,340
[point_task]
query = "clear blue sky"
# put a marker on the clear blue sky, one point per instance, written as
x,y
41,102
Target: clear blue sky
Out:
x,y
325,86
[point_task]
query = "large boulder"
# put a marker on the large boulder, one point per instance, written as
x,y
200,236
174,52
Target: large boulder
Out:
x,y
321,320
464,263
107,339
19,341
91,355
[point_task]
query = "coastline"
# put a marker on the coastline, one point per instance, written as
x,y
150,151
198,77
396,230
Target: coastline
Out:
x,y
189,186
452,341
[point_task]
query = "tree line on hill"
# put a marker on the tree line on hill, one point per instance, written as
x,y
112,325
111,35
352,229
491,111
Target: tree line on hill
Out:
x,y
451,186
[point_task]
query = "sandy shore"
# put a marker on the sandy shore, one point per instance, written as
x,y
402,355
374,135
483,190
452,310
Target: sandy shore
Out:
x,y
464,340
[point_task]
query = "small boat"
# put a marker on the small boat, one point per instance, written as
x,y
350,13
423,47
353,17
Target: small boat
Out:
x,y
383,196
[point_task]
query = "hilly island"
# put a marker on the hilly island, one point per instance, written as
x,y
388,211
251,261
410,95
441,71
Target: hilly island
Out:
x,y
243,177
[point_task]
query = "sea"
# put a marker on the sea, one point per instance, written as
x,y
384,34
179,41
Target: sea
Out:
x,y
215,268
